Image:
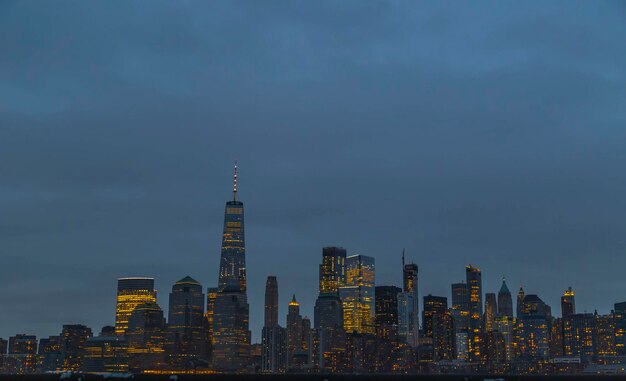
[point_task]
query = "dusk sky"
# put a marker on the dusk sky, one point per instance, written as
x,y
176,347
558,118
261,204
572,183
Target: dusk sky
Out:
x,y
490,133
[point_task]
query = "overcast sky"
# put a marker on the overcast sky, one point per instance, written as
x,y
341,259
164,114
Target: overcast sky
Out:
x,y
490,133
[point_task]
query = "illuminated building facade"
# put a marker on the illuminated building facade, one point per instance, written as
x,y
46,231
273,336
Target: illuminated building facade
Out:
x,y
294,331
358,295
233,257
619,316
474,282
22,357
406,320
505,325
106,353
605,341
386,305
332,270
186,334
580,336
211,295
442,334
50,354
131,292
146,338
532,330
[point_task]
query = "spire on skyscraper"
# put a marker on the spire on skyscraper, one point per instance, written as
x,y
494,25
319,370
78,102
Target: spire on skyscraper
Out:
x,y
235,183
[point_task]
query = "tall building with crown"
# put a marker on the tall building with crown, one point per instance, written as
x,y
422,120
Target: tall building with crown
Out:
x,y
273,336
505,301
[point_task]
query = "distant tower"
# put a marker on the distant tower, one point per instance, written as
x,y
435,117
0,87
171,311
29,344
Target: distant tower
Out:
x,y
294,330
568,303
131,292
233,258
186,336
475,288
433,305
410,286
271,301
274,337
505,301
520,300
491,309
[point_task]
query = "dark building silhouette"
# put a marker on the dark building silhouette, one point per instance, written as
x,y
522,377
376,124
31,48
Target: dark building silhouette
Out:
x,y
410,287
271,302
50,354
520,301
73,338
432,306
505,301
22,356
273,337
146,338
491,311
580,334
186,332
568,304
332,270
386,301
532,331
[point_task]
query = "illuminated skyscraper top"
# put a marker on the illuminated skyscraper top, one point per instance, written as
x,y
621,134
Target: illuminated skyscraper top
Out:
x,y
233,257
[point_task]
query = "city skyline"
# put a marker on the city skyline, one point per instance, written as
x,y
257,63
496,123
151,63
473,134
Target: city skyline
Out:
x,y
487,134
236,240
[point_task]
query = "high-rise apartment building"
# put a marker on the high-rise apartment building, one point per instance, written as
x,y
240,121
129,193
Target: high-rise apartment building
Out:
x,y
332,270
273,337
410,286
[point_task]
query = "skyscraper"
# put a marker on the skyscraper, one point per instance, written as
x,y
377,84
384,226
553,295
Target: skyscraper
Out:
x,y
410,286
332,270
271,302
73,338
386,305
131,292
186,336
294,331
273,336
491,309
146,338
233,257
520,300
568,304
230,344
432,305
358,296
461,317
505,301
475,288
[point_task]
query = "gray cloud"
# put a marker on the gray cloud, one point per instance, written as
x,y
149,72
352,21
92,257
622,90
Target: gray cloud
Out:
x,y
485,133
